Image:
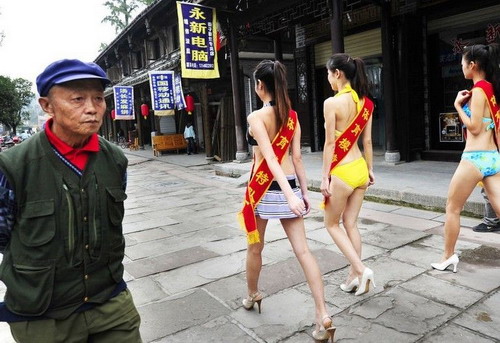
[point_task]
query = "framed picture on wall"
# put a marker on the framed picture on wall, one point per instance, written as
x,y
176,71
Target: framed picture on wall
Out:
x,y
450,128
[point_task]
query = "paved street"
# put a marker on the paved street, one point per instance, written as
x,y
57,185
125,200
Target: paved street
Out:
x,y
185,261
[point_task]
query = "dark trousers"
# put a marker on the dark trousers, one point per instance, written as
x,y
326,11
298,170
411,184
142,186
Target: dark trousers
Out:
x,y
115,321
191,148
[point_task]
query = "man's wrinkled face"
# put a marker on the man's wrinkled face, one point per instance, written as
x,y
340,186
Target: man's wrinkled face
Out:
x,y
77,107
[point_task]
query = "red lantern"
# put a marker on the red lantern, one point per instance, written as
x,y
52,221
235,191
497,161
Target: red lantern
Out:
x,y
189,103
113,114
145,110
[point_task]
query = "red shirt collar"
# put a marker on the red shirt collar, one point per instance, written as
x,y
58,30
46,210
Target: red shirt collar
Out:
x,y
92,144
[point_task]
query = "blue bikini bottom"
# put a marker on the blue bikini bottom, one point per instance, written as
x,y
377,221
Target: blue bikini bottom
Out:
x,y
487,161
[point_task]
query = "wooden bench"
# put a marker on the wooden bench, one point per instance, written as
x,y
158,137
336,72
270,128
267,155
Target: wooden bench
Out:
x,y
168,142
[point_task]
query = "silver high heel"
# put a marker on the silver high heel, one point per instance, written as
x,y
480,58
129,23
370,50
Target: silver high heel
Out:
x,y
364,283
328,333
452,261
251,300
351,287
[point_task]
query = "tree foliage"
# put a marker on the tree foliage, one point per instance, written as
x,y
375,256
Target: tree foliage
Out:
x,y
15,95
121,12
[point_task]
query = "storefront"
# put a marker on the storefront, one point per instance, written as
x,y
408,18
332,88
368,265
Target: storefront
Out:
x,y
446,38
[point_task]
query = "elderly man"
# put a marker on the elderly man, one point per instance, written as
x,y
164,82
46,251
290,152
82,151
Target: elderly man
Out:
x,y
61,212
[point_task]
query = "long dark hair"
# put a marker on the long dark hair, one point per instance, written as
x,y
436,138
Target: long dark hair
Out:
x,y
354,71
273,75
487,58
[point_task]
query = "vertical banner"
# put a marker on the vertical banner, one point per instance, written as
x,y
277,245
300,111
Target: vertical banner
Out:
x,y
198,35
180,102
162,92
124,102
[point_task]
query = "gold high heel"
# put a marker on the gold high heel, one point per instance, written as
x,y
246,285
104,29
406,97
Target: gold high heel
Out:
x,y
251,300
328,333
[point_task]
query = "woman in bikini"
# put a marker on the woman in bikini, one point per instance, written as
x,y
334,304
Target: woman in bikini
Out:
x,y
344,187
283,200
480,161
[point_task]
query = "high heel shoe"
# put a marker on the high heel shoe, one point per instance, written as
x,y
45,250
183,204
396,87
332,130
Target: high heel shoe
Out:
x,y
251,300
364,283
351,287
452,261
328,332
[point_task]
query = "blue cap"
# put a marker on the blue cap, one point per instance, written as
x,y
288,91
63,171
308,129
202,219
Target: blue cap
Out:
x,y
68,70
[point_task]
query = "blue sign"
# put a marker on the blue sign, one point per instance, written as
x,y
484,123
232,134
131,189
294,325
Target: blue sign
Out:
x,y
124,102
180,102
162,91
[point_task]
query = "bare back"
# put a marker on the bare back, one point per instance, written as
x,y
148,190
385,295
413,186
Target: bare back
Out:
x,y
266,115
345,111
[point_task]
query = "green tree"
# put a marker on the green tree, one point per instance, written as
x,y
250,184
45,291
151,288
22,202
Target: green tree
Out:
x,y
15,95
121,12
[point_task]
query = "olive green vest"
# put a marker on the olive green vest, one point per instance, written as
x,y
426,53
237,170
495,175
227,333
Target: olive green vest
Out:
x,y
67,245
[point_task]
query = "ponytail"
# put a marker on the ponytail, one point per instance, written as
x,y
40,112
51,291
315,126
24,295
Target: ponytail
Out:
x,y
273,75
354,71
281,93
360,80
493,68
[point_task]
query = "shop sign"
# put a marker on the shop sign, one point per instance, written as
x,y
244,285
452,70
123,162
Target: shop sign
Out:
x,y
124,102
180,102
162,92
450,128
492,32
198,35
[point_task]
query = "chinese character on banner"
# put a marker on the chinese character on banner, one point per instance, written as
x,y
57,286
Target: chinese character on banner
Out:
x,y
180,102
198,37
124,102
162,92
458,46
492,32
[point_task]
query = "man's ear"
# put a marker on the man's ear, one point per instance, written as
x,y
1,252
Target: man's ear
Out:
x,y
45,105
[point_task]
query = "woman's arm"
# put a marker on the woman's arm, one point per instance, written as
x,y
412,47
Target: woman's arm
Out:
x,y
475,122
300,172
368,149
260,134
329,114
477,106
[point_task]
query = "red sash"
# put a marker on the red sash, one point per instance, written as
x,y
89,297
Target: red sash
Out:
x,y
347,139
262,178
489,93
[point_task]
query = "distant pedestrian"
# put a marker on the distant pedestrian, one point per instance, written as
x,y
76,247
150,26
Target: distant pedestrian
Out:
x,y
491,222
190,136
61,212
346,174
273,193
480,160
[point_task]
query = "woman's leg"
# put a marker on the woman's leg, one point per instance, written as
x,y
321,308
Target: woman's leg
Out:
x,y
333,210
295,231
461,186
350,222
254,258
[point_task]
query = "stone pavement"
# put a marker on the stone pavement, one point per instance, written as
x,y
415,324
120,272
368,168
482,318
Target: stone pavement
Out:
x,y
185,261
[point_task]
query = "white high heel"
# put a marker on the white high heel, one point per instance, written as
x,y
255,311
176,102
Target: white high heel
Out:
x,y
364,283
351,287
452,261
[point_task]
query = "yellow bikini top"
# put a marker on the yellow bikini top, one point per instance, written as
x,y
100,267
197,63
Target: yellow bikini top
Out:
x,y
355,98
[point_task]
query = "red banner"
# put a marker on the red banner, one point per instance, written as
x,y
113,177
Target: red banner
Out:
x,y
262,178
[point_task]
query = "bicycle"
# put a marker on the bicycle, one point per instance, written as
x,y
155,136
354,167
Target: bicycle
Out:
x,y
123,143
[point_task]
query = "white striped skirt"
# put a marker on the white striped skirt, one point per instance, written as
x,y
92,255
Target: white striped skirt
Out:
x,y
273,204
